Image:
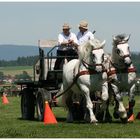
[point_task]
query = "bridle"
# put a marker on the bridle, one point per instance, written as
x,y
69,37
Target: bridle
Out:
x,y
117,69
91,67
124,56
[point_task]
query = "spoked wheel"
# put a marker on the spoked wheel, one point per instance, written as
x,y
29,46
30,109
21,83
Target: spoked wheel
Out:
x,y
116,114
27,104
42,96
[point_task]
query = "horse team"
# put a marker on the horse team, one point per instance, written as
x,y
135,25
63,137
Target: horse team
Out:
x,y
98,75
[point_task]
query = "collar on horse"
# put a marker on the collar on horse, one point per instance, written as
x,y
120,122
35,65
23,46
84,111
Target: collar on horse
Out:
x,y
125,70
90,70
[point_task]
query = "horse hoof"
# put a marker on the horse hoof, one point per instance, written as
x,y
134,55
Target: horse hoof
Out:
x,y
69,120
129,113
94,121
124,120
123,114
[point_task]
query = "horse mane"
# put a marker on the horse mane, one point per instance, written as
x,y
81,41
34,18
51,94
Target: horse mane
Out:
x,y
120,38
88,46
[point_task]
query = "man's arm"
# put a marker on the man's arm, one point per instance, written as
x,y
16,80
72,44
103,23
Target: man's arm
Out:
x,y
60,40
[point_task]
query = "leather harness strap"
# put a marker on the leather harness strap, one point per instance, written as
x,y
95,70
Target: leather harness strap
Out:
x,y
80,73
129,70
87,72
111,72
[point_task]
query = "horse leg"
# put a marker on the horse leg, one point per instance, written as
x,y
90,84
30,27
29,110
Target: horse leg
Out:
x,y
69,117
104,97
89,105
121,108
108,117
131,101
69,105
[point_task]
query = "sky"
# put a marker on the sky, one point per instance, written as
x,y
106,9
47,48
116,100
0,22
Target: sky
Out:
x,y
24,23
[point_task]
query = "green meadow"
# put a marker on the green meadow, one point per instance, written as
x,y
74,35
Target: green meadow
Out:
x,y
12,126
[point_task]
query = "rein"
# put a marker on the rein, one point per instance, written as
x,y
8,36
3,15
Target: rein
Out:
x,y
127,55
85,63
87,72
124,56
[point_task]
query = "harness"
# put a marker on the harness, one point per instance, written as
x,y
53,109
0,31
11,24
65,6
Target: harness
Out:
x,y
116,70
90,67
89,71
129,70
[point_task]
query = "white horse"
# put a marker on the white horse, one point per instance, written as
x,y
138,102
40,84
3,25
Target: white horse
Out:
x,y
86,75
122,75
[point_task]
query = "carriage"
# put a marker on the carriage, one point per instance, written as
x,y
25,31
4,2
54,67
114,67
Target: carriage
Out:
x,y
90,76
46,82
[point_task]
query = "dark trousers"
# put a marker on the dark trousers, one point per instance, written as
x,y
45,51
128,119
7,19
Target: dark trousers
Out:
x,y
64,53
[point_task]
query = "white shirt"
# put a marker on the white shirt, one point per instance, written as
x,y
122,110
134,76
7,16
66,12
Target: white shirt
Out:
x,y
63,38
85,37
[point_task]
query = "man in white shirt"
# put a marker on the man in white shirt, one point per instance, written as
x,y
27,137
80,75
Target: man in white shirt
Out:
x,y
66,41
84,35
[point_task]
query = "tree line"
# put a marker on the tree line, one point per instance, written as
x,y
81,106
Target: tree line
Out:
x,y
30,60
136,61
20,61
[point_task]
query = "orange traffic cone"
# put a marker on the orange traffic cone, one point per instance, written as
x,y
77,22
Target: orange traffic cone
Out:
x,y
138,116
131,118
4,99
49,117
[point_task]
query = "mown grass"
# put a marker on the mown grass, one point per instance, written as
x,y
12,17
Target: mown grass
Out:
x,y
12,126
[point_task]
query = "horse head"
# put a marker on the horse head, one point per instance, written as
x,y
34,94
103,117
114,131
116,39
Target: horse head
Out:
x,y
93,54
121,49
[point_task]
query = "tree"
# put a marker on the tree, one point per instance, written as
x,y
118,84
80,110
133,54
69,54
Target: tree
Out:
x,y
1,75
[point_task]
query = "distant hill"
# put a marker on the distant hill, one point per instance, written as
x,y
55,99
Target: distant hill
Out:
x,y
11,52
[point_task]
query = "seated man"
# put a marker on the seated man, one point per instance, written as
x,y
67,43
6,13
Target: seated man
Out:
x,y
84,34
66,41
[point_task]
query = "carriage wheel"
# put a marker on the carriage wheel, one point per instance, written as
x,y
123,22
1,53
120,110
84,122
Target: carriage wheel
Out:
x,y
27,104
42,96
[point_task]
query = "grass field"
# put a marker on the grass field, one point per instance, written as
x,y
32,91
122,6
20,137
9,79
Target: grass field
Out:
x,y
12,126
17,70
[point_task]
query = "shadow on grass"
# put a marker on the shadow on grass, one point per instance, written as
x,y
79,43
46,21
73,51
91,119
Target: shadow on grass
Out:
x,y
59,119
63,120
35,119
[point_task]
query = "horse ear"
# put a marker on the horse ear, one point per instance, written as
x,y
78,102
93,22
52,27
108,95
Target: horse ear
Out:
x,y
127,38
103,43
114,38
